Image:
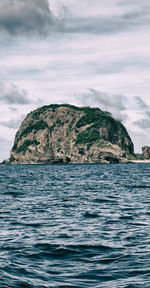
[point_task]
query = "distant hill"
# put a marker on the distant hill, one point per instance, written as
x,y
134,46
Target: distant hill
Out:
x,y
70,134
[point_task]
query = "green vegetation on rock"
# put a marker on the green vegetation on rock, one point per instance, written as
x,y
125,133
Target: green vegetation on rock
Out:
x,y
14,147
91,115
24,147
39,125
59,122
89,137
139,156
71,124
51,128
38,112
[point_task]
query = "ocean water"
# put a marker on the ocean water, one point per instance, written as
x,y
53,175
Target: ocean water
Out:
x,y
75,226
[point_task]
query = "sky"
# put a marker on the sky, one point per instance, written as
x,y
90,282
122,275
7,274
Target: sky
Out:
x,y
86,53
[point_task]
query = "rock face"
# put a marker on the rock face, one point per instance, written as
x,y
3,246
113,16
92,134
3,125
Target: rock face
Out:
x,y
146,152
69,134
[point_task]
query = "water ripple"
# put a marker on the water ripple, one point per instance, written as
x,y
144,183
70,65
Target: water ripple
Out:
x,y
75,226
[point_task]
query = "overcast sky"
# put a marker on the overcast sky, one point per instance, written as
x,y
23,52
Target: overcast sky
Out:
x,y
85,52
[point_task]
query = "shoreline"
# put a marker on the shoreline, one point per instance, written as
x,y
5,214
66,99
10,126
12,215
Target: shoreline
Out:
x,y
141,161
78,163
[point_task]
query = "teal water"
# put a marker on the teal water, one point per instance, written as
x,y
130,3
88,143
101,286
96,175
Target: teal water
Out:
x,y
75,226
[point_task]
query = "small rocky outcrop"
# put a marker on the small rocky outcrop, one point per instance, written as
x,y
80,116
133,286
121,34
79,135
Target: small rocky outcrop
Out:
x,y
146,152
70,134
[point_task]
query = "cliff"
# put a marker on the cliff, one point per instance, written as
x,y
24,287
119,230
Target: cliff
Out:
x,y
146,152
69,134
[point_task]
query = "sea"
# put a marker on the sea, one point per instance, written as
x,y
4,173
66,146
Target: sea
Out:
x,y
85,225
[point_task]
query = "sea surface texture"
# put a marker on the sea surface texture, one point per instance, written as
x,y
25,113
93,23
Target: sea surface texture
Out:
x,y
75,226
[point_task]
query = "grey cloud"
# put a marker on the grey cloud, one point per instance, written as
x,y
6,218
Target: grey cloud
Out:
x,y
148,113
141,103
11,94
13,109
135,3
36,18
109,24
135,13
102,98
143,123
27,17
13,123
114,104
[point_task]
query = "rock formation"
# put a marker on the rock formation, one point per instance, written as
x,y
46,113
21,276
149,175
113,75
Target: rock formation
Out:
x,y
70,134
146,152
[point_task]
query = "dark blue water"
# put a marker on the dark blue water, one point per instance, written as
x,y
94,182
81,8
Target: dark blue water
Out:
x,y
75,226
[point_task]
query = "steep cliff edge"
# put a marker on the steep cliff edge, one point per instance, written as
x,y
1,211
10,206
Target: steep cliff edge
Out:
x,y
70,134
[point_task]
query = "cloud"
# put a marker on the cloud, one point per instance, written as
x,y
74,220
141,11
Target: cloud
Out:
x,y
35,17
102,98
5,147
11,94
141,103
27,17
116,101
13,109
148,113
143,123
109,24
13,123
116,104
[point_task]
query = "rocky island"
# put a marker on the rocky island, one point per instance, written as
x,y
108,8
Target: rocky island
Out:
x,y
146,152
70,134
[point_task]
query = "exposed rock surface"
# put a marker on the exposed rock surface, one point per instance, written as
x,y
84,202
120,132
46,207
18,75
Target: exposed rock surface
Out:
x,y
146,152
69,134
